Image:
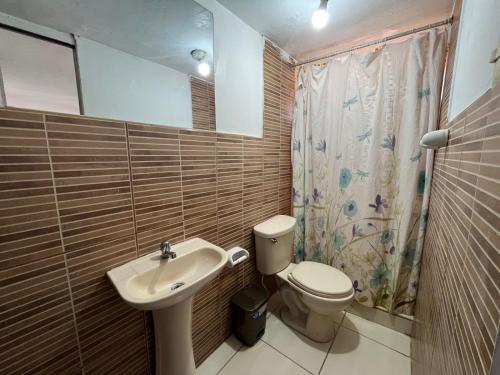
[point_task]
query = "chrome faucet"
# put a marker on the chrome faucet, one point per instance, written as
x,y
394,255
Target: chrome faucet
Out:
x,y
166,251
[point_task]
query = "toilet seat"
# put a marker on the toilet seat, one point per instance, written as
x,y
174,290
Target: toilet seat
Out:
x,y
321,280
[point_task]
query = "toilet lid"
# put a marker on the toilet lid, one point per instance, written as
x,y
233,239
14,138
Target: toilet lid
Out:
x,y
275,226
321,280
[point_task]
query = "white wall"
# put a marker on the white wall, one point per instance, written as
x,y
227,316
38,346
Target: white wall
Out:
x,y
159,95
478,36
239,74
120,86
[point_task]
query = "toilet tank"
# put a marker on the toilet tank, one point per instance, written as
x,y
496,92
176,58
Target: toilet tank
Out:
x,y
274,244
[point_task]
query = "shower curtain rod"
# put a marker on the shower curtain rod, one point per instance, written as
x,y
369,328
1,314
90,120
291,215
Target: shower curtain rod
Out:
x,y
383,40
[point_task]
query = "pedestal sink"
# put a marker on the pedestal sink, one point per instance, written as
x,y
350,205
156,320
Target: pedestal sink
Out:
x,y
167,286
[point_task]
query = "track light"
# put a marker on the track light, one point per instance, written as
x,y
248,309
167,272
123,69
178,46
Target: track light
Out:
x,y
320,16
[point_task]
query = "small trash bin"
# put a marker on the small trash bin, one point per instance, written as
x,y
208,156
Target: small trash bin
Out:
x,y
249,307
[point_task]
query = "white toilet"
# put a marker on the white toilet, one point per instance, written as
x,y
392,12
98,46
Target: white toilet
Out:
x,y
311,292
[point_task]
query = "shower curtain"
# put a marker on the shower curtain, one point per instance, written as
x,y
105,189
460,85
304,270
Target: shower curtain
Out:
x,y
360,178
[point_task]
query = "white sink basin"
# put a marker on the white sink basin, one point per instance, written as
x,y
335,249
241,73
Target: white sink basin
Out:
x,y
152,283
167,286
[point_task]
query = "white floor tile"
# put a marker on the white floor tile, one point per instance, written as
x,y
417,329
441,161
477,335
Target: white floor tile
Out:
x,y
261,359
377,332
307,353
354,354
394,322
220,357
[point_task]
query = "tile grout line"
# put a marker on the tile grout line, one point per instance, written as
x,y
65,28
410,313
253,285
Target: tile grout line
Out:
x,y
242,237
284,355
217,187
372,339
229,360
333,340
239,349
131,184
132,197
182,187
278,308
68,280
281,135
272,347
220,333
340,325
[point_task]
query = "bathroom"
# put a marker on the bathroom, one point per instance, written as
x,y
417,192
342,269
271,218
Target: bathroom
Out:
x,y
250,187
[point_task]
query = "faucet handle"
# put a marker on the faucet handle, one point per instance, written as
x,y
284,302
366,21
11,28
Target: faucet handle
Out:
x,y
166,250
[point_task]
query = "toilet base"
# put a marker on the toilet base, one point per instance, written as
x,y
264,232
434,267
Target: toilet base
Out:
x,y
318,327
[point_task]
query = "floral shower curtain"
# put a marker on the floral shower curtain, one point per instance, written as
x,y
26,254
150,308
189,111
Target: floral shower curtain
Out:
x,y
360,179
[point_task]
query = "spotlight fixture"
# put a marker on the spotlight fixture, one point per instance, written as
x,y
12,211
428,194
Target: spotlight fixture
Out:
x,y
203,67
320,16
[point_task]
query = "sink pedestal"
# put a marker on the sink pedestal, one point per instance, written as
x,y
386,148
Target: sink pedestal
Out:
x,y
174,347
167,288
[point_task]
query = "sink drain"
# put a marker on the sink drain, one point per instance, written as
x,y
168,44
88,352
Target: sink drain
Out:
x,y
176,285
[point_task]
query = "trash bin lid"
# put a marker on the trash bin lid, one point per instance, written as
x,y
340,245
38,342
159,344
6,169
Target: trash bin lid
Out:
x,y
250,298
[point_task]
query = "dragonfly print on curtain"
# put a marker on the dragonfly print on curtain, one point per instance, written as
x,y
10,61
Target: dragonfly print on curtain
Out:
x,y
360,179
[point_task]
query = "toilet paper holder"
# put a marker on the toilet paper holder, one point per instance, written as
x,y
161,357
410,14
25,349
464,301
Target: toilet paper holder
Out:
x,y
236,255
435,139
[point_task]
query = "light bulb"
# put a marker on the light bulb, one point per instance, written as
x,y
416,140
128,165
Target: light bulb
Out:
x,y
204,69
320,18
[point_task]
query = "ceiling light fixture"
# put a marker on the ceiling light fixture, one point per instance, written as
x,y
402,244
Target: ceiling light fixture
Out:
x,y
320,16
203,67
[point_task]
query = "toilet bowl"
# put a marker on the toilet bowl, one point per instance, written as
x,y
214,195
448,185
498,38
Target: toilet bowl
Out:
x,y
313,312
312,293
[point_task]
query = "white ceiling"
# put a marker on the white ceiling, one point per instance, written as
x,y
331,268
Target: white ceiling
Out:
x,y
163,31
288,22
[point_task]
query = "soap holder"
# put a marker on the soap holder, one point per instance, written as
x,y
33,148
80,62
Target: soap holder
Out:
x,y
236,255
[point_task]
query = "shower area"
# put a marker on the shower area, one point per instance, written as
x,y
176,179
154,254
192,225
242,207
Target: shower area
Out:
x,y
361,180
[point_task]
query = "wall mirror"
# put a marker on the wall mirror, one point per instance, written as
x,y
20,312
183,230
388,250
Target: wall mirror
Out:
x,y
149,62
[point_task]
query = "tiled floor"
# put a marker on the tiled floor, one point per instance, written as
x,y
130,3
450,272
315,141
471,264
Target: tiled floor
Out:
x,y
359,347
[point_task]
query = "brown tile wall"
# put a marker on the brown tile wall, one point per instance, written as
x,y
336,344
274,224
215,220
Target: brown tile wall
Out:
x,y
458,305
37,315
203,104
79,196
